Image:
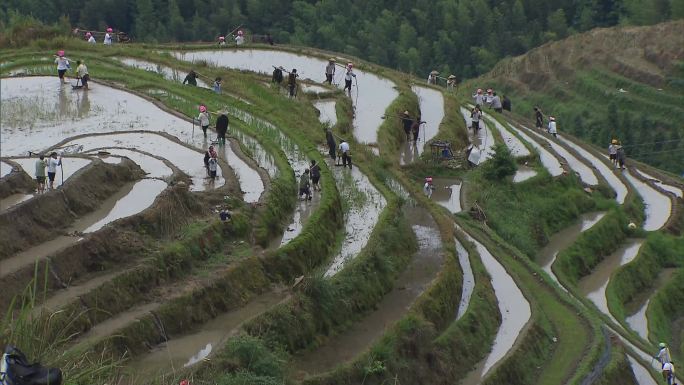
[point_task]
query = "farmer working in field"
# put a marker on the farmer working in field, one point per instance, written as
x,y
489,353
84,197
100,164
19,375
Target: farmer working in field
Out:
x,y
40,174
82,73
52,165
292,83
332,146
407,123
304,185
330,71
191,78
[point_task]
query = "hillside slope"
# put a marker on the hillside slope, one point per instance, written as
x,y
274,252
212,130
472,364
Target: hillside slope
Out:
x,y
625,82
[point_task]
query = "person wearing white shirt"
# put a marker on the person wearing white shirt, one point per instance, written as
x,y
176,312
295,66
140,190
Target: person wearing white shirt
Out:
x,y
348,76
108,39
552,126
346,157
52,165
62,65
669,373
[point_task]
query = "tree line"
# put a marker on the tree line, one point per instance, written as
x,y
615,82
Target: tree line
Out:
x,y
461,37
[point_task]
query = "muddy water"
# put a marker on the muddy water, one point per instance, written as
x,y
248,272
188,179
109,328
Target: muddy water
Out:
x,y
658,206
637,319
432,112
363,203
142,196
5,169
328,114
411,283
523,173
189,349
641,374
167,72
303,211
517,147
607,172
153,167
674,190
550,163
57,112
585,173
14,200
515,313
564,238
483,139
187,160
313,88
129,200
447,192
296,158
371,94
468,279
594,285
257,152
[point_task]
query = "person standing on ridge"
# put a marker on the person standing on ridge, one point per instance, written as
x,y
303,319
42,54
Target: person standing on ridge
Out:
x,y
52,164
315,175
538,118
451,82
506,103
475,115
62,65
415,129
292,83
82,73
612,151
663,355
203,119
40,174
330,139
478,98
407,122
330,70
488,97
304,185
91,39
552,127
346,157
496,103
621,158
217,85
348,78
427,187
191,78
108,37
669,373
222,127
240,38
432,77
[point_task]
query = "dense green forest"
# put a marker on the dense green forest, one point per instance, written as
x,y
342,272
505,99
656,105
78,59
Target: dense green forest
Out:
x,y
463,37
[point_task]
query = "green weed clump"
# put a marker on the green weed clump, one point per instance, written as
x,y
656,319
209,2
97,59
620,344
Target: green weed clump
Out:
x,y
502,164
526,214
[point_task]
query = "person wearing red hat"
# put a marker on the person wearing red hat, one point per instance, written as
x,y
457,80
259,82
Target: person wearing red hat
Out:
x,y
108,37
203,119
91,39
221,41
62,65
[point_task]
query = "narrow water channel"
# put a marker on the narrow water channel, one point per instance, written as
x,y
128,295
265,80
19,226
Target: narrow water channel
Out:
x,y
411,283
594,285
607,172
515,313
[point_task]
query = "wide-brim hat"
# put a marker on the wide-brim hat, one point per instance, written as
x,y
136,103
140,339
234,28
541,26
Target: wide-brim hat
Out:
x,y
434,72
452,77
332,59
